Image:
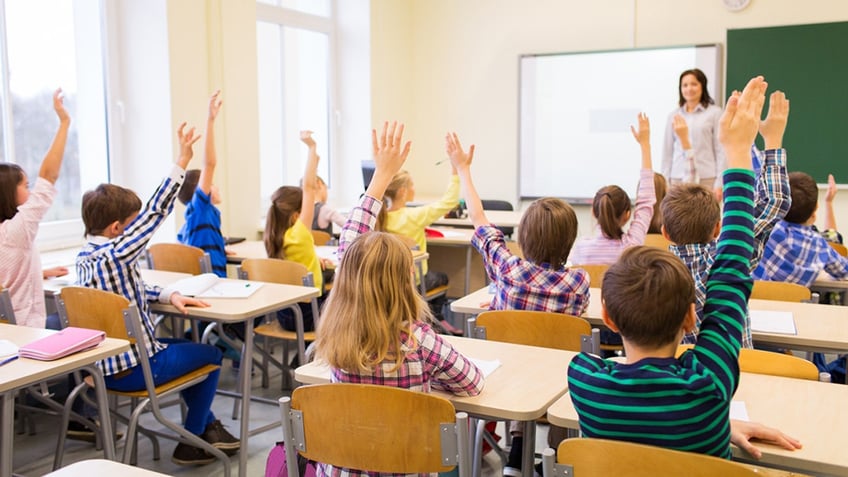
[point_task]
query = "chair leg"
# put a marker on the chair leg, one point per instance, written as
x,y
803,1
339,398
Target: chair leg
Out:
x,y
66,418
192,439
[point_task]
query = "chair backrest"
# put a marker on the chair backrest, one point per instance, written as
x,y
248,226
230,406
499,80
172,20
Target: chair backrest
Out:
x,y
375,428
771,363
95,309
596,273
640,460
275,270
492,204
779,291
534,328
320,237
657,240
177,257
7,311
840,249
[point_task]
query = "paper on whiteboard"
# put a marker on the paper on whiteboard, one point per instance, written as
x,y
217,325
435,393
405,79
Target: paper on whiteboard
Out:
x,y
780,322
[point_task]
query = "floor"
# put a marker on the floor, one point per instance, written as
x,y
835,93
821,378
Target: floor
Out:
x,y
33,454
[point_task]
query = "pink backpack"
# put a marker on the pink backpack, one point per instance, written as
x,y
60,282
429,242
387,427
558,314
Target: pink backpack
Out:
x,y
275,465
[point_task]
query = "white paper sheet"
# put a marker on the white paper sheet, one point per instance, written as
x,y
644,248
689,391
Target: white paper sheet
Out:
x,y
738,411
486,366
781,322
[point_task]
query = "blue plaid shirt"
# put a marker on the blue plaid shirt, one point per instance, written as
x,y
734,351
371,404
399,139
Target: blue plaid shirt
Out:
x,y
772,201
796,253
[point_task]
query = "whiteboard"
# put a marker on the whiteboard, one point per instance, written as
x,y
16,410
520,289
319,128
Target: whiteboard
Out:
x,y
576,110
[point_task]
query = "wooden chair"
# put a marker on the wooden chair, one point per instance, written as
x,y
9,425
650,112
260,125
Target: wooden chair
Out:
x,y
374,428
780,291
657,240
320,237
286,272
773,364
114,314
596,273
177,257
588,457
840,249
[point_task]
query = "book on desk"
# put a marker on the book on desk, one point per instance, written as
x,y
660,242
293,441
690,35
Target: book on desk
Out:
x,y
209,285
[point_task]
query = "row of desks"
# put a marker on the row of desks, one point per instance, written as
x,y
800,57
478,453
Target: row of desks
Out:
x,y
531,383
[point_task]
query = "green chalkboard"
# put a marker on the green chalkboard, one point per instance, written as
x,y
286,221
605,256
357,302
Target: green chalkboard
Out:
x,y
810,64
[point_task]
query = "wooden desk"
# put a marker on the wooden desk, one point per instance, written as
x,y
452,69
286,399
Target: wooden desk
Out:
x,y
529,380
807,410
821,328
98,467
24,372
256,249
498,218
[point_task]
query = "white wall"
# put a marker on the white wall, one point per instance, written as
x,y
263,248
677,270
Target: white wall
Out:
x,y
453,64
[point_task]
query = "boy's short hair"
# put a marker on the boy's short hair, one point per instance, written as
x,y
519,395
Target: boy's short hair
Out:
x,y
647,293
107,204
547,231
186,192
805,197
690,213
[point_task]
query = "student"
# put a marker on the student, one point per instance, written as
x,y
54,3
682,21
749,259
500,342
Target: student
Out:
x,y
118,230
611,208
374,329
655,398
538,282
287,229
325,216
202,227
20,213
691,212
796,252
660,189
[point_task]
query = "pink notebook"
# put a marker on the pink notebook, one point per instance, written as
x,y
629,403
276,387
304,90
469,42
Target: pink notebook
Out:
x,y
61,344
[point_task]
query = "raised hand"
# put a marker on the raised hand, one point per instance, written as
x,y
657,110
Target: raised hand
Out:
x,y
774,125
187,140
59,106
643,134
306,138
215,103
681,130
831,189
459,159
389,155
740,122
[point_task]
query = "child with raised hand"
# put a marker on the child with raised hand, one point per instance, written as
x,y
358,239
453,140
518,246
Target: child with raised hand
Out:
x,y
374,326
611,208
648,297
539,282
287,229
691,212
202,227
118,230
21,210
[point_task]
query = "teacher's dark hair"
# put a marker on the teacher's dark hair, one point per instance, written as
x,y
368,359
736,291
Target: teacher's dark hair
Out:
x,y
702,78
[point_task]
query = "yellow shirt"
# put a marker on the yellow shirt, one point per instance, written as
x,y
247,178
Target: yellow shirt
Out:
x,y
299,246
410,221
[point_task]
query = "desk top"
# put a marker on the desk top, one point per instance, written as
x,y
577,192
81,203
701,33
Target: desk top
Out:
x,y
498,218
806,410
528,381
92,467
256,249
24,371
819,327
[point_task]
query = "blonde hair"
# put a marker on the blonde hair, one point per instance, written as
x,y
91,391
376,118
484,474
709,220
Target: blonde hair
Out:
x,y
399,181
285,202
374,301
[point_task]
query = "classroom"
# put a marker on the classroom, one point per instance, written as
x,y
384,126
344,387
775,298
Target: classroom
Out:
x,y
434,65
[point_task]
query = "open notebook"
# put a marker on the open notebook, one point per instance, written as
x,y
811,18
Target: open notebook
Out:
x,y
209,285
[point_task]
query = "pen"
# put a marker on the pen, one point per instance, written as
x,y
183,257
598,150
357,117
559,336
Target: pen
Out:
x,y
442,161
6,360
247,285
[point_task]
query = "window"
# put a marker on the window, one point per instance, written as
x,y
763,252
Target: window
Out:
x,y
48,44
294,88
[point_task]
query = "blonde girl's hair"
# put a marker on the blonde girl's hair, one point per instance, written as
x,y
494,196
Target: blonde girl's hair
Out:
x,y
285,203
400,180
374,302
609,204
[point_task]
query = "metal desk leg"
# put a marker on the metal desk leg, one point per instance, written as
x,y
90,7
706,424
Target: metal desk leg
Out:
x,y
103,409
468,251
529,444
247,365
7,432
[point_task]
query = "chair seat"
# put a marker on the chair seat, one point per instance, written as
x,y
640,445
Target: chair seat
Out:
x,y
164,388
274,330
435,292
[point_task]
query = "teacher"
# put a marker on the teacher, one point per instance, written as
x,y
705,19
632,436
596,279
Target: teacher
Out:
x,y
691,151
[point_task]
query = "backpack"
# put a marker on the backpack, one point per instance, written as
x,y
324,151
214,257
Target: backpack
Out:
x,y
275,465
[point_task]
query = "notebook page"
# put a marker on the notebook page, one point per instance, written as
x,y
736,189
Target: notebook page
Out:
x,y
781,322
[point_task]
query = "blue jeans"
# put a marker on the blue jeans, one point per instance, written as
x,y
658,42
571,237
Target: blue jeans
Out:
x,y
179,358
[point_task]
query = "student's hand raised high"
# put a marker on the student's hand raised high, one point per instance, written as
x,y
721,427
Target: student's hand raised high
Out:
x,y
831,189
306,138
187,140
643,134
389,152
215,103
740,122
59,106
681,130
774,125
459,159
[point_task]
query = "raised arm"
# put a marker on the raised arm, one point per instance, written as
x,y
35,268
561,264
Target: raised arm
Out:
x,y
53,159
461,161
389,155
210,157
310,180
646,195
829,214
187,140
